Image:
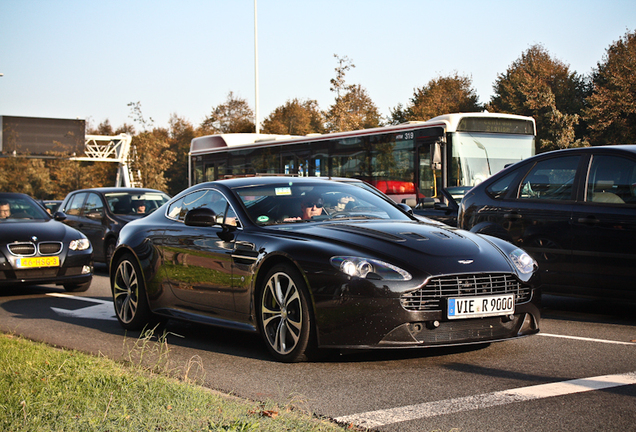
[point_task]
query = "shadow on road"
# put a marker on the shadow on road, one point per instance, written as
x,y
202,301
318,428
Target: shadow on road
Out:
x,y
588,310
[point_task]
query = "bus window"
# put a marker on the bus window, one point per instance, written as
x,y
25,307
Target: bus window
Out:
x,y
476,156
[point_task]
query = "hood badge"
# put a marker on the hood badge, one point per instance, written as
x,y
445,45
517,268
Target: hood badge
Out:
x,y
34,239
467,261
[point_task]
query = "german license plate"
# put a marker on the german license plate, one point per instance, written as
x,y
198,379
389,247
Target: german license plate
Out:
x,y
32,262
477,307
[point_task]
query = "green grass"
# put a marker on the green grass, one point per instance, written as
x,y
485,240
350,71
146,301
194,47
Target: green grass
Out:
x,y
48,389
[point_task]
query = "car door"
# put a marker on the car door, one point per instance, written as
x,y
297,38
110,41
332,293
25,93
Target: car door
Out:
x,y
531,206
539,219
92,224
198,260
604,229
73,210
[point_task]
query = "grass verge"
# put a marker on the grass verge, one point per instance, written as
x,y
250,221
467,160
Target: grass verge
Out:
x,y
49,389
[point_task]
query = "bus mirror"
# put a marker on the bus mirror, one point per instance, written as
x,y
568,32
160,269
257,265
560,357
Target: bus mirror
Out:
x,y
436,156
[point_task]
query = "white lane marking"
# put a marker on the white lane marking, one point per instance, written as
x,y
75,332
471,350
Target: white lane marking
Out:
x,y
379,418
103,310
75,297
587,339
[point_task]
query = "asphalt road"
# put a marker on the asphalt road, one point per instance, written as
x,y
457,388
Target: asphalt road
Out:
x,y
579,374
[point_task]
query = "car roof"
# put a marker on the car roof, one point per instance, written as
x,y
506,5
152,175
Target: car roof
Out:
x,y
116,189
631,148
269,180
15,195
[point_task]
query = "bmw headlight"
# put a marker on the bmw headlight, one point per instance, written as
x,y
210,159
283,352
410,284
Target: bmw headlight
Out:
x,y
369,268
79,244
524,262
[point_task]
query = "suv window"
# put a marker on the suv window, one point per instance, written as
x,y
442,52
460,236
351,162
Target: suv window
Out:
x,y
74,207
550,179
612,179
498,189
94,207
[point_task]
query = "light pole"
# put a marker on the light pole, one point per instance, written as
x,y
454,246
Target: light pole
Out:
x,y
256,69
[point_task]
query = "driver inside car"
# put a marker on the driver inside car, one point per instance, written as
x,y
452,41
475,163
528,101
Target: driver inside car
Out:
x,y
310,206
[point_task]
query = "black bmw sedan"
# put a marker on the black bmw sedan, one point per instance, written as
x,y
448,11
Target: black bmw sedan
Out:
x,y
313,264
36,248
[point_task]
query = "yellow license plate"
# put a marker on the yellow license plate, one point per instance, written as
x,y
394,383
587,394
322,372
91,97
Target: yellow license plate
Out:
x,y
31,262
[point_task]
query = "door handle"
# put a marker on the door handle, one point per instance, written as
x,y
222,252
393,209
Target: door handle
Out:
x,y
588,220
512,216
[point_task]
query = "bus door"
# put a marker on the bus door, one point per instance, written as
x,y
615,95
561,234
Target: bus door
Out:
x,y
214,170
296,164
434,200
429,171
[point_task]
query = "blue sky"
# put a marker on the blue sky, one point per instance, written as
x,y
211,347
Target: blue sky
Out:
x,y
89,58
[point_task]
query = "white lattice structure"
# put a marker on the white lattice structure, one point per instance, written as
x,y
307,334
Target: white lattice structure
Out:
x,y
101,148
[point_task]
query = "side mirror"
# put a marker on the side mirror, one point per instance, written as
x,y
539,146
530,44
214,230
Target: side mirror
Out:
x,y
200,217
59,216
405,208
441,206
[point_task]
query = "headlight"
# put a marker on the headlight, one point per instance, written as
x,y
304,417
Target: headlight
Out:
x,y
79,244
369,268
524,262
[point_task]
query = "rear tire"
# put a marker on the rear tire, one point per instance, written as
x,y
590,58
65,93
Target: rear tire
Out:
x,y
284,315
129,294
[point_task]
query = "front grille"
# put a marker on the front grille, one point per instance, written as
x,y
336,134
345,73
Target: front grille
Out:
x,y
23,249
36,273
430,296
50,248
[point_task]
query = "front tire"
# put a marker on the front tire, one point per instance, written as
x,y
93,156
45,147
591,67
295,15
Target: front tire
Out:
x,y
109,250
129,294
78,287
284,316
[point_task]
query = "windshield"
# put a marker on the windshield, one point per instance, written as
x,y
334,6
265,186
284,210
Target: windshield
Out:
x,y
477,156
19,208
294,202
132,203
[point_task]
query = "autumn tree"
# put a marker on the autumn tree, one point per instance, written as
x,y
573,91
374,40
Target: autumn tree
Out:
x,y
542,87
611,110
29,176
233,116
295,117
180,134
353,108
150,151
442,95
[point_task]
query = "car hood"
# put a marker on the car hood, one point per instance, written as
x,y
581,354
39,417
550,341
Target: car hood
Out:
x,y
437,248
24,231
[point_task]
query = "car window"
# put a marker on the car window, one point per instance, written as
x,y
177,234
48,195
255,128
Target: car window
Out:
x,y
74,206
612,180
205,198
297,202
498,189
93,207
135,203
550,179
17,208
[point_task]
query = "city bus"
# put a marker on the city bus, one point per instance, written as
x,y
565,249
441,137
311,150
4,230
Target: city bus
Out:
x,y
428,165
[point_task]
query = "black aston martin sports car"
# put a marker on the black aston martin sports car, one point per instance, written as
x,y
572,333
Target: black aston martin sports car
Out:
x,y
315,264
36,248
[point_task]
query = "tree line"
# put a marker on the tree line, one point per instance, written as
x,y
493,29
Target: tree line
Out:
x,y
570,109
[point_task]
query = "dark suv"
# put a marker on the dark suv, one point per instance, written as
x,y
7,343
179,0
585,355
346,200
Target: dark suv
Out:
x,y
573,210
100,213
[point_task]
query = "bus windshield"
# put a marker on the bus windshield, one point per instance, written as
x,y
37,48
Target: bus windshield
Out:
x,y
477,156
